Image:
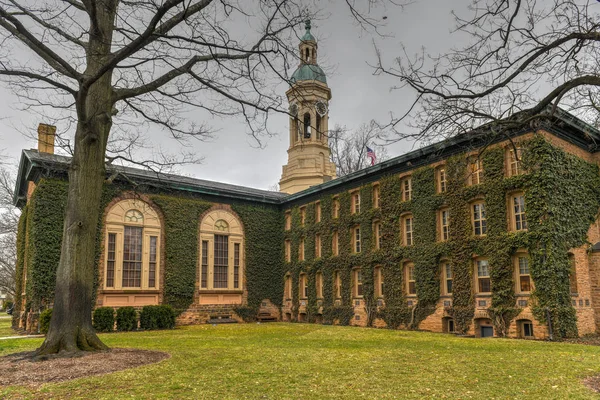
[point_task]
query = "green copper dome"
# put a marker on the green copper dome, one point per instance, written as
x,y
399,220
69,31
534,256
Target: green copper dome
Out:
x,y
309,72
307,35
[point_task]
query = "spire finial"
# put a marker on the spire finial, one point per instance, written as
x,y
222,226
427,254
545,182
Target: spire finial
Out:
x,y
307,25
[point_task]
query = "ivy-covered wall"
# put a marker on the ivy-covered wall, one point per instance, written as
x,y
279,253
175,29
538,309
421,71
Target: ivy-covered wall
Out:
x,y
562,196
40,237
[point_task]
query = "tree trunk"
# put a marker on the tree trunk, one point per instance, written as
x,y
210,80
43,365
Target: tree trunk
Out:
x,y
71,328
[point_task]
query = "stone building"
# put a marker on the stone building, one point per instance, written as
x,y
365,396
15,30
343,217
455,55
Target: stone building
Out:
x,y
477,234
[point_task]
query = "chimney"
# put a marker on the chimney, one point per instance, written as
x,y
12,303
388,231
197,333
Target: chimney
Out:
x,y
46,136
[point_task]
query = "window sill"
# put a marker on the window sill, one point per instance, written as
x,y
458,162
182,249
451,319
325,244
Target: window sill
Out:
x,y
129,290
220,291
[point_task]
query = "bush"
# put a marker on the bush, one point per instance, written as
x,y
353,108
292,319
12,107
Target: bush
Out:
x,y
157,317
8,304
104,319
126,319
248,314
45,318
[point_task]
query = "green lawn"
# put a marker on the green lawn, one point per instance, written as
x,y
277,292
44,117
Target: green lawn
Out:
x,y
302,361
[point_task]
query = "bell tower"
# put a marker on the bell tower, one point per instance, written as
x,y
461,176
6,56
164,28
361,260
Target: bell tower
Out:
x,y
308,97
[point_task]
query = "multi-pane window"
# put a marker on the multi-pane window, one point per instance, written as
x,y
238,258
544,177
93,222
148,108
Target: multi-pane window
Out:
x,y
441,180
378,282
132,257
110,260
572,275
222,254
376,195
132,247
337,284
288,250
288,220
483,276
358,283
479,219
303,286
444,225
335,244
524,278
356,239
288,287
319,284
519,218
236,265
336,208
301,250
356,202
447,278
302,215
377,234
204,272
317,245
406,189
514,162
318,211
475,171
527,328
407,230
409,274
221,261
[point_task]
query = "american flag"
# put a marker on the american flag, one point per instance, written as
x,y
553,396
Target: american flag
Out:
x,y
371,155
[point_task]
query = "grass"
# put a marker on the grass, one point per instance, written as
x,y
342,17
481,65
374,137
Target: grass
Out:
x,y
302,361
5,321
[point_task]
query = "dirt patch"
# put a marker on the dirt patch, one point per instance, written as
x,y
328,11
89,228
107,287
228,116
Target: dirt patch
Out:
x,y
22,369
593,382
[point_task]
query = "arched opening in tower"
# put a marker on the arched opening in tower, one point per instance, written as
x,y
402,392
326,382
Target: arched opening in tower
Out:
x,y
307,127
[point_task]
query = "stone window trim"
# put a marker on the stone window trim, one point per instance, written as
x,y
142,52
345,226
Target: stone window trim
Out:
x,y
288,250
517,211
318,245
335,243
478,217
301,250
376,195
356,239
287,293
444,224
522,264
410,284
288,220
219,222
317,211
335,208
357,283
446,278
377,234
474,170
337,284
378,280
302,215
406,188
319,284
482,276
137,212
441,179
355,201
407,229
303,286
514,158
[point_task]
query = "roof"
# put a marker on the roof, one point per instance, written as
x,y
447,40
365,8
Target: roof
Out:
x,y
307,35
309,72
34,164
564,125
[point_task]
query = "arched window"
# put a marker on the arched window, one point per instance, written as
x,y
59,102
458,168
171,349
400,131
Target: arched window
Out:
x,y
221,251
307,54
132,246
307,128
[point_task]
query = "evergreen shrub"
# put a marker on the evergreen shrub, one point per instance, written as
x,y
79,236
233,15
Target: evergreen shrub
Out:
x,y
126,319
45,318
157,317
104,319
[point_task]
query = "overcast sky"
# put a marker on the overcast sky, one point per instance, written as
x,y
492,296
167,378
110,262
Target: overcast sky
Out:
x,y
357,95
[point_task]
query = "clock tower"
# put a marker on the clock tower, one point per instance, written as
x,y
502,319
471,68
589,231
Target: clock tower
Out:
x,y
309,154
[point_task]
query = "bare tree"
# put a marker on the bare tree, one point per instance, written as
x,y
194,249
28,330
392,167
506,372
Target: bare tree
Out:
x,y
349,149
108,64
9,222
520,61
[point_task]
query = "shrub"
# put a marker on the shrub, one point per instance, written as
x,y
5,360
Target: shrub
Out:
x,y
126,319
7,304
45,318
157,317
104,319
248,314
